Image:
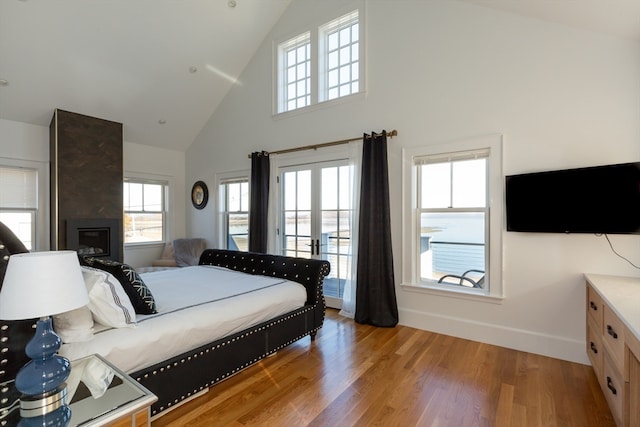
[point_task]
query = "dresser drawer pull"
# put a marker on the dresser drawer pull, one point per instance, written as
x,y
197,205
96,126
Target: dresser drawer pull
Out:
x,y
610,386
593,306
594,348
611,332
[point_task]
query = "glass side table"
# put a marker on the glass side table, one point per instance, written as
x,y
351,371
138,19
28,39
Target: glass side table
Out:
x,y
98,394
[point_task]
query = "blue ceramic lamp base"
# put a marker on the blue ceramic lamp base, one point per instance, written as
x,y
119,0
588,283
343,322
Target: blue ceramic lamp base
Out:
x,y
42,380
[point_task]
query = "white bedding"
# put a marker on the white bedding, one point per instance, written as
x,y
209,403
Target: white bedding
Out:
x,y
196,305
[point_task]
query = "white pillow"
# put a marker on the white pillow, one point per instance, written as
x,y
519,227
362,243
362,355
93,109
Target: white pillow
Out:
x,y
75,325
108,301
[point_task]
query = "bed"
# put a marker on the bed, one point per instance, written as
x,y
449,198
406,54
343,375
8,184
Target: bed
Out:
x,y
208,354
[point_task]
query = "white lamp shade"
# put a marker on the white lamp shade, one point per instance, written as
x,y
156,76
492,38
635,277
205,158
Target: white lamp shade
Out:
x,y
40,284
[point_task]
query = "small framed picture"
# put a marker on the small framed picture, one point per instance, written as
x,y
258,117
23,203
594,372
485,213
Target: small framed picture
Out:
x,y
199,195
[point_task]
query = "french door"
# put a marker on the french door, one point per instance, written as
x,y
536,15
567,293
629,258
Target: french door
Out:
x,y
315,219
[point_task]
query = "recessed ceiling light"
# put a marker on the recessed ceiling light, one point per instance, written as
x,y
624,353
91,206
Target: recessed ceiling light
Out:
x,y
193,69
231,3
4,82
162,121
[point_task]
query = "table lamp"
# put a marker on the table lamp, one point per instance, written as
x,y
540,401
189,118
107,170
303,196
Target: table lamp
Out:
x,y
39,285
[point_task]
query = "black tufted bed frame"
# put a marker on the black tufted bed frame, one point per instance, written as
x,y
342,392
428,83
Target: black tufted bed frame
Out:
x,y
190,373
14,335
194,371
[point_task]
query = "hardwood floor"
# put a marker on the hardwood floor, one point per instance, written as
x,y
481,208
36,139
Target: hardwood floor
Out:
x,y
358,375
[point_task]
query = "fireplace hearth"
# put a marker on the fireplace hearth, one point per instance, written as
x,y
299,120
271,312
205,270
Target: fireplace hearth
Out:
x,y
94,237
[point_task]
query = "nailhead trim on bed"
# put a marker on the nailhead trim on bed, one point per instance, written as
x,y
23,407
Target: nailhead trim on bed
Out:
x,y
14,334
281,331
233,371
214,258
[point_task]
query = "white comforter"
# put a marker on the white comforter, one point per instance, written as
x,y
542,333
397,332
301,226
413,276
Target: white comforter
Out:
x,y
196,305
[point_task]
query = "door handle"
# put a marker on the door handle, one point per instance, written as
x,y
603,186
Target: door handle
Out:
x,y
317,246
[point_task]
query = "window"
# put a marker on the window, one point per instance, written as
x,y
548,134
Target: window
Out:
x,y
305,77
144,211
19,202
339,57
452,206
454,216
295,57
234,209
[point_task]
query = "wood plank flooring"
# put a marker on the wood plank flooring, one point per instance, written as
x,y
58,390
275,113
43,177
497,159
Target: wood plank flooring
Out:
x,y
358,375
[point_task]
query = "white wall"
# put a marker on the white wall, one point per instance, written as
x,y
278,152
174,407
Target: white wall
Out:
x,y
441,71
143,161
25,142
22,141
23,145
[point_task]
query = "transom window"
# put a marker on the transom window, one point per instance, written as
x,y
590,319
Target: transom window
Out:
x,y
340,43
296,57
234,210
320,66
144,211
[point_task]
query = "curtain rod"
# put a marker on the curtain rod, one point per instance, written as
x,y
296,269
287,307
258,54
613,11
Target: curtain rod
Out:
x,y
390,134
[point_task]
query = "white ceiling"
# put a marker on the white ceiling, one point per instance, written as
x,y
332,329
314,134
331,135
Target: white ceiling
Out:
x,y
620,18
129,60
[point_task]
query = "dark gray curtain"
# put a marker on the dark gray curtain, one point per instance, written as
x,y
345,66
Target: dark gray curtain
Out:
x,y
259,203
375,292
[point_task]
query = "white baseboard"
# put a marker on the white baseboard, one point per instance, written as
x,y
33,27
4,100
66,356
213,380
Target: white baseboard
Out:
x,y
517,339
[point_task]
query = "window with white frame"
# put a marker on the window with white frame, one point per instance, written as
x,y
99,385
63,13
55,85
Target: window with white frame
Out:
x,y
295,78
19,202
320,65
454,217
144,211
234,210
339,55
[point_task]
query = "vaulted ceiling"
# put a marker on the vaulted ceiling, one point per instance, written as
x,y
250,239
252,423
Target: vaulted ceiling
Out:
x,y
620,18
161,67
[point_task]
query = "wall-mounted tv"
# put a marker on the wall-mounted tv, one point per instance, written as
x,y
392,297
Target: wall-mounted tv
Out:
x,y
599,199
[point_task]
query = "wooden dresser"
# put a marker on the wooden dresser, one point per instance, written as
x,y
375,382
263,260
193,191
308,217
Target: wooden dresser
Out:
x,y
613,342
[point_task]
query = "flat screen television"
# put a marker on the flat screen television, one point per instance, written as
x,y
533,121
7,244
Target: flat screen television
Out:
x,y
599,199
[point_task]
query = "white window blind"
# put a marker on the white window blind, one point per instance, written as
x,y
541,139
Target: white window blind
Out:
x,y
19,188
452,157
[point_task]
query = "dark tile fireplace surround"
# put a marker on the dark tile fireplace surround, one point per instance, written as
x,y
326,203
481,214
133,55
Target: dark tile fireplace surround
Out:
x,y
86,185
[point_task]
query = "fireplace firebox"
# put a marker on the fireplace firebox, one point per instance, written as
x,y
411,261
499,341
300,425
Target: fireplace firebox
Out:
x,y
94,237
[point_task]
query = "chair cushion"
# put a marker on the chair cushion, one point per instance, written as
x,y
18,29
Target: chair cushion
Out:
x,y
188,251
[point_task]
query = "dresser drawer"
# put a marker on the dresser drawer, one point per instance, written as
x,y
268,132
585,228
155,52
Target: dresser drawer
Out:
x,y
613,387
634,391
613,337
595,307
594,348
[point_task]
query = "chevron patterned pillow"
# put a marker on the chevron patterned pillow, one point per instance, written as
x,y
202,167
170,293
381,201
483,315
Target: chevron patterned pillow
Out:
x,y
139,294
